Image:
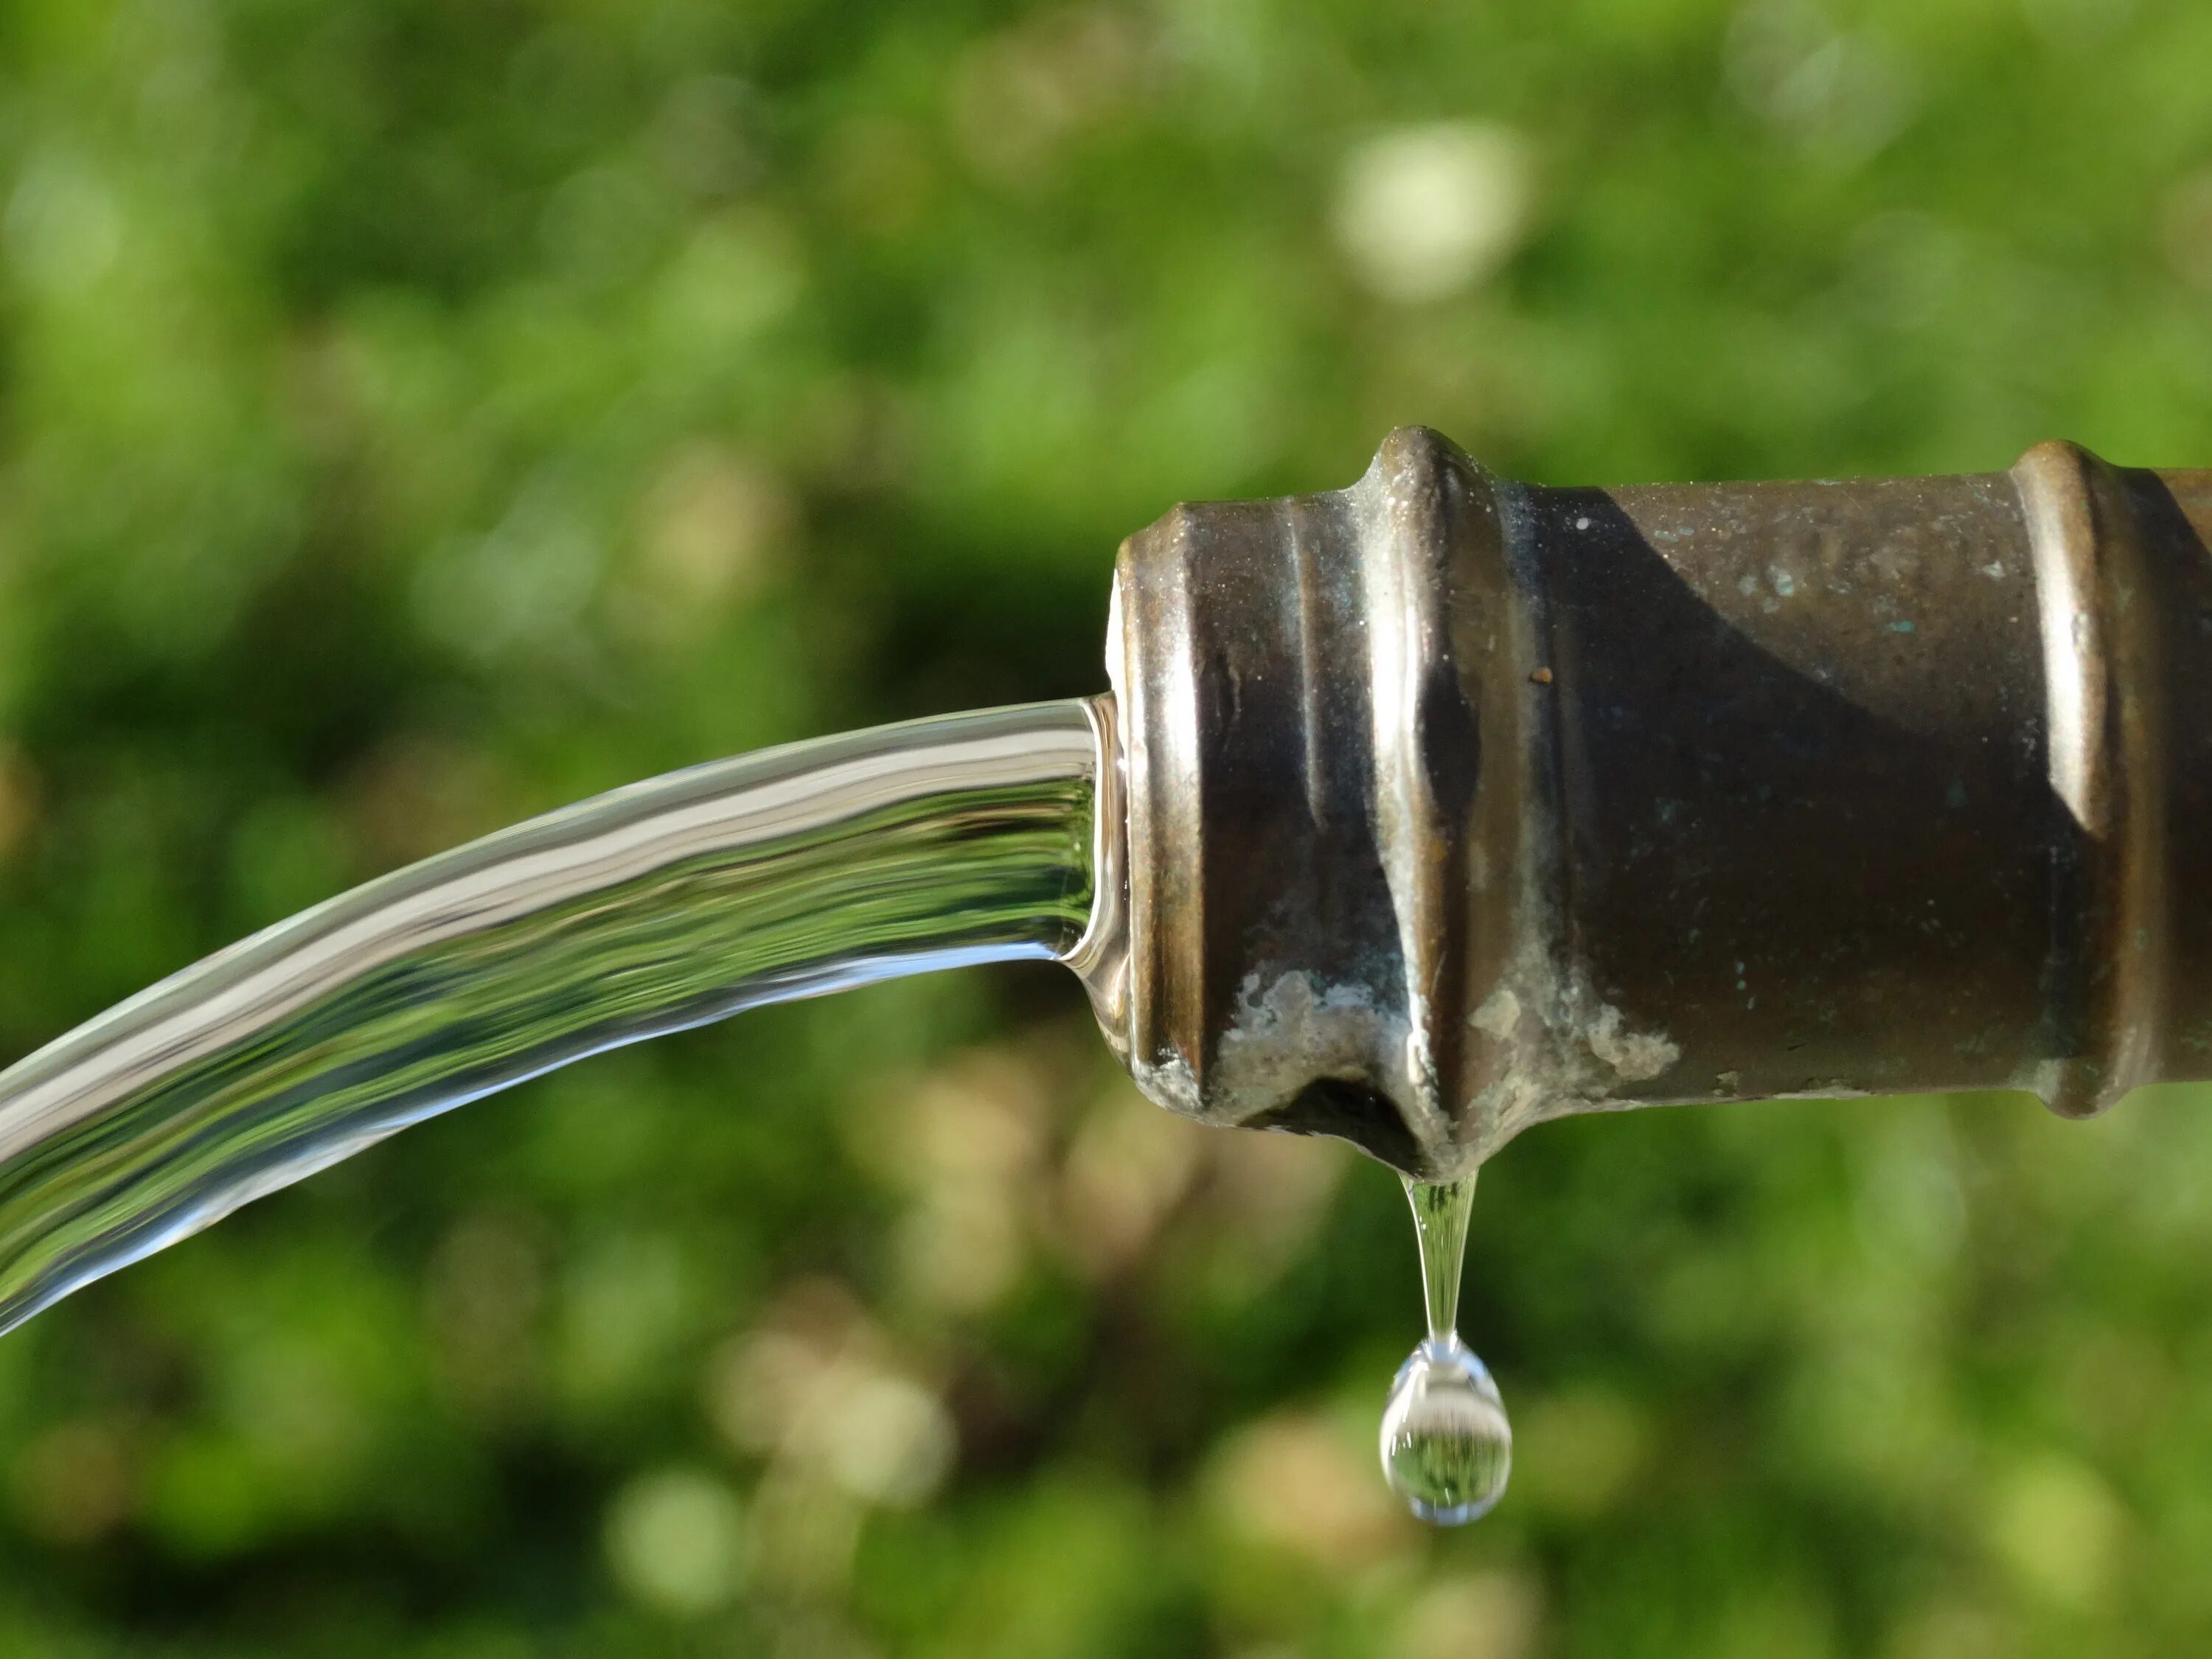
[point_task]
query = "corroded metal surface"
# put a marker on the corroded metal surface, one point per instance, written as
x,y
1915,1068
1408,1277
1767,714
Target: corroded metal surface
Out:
x,y
1455,804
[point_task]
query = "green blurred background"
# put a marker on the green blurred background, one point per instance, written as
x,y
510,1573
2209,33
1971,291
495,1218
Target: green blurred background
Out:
x,y
416,415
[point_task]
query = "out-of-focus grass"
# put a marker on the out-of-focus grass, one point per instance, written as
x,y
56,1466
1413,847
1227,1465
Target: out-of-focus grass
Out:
x,y
413,415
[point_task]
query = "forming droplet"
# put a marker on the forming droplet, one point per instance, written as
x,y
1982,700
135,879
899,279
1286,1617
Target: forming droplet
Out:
x,y
1447,1447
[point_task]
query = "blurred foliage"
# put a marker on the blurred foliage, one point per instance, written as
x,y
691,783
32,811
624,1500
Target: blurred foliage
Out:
x,y
414,415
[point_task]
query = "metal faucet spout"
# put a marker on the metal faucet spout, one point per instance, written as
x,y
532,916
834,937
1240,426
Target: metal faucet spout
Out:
x,y
1455,804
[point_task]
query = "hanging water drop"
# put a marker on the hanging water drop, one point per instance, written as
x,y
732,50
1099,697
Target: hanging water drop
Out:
x,y
1447,1447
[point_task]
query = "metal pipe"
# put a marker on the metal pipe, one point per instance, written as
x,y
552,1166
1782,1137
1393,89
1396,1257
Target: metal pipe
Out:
x,y
1455,804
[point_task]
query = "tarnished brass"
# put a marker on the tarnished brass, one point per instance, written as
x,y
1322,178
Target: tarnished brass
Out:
x,y
1455,804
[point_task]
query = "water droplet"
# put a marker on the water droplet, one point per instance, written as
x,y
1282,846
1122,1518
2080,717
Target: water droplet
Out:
x,y
1446,1446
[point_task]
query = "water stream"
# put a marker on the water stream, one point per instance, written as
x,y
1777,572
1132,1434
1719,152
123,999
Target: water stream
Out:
x,y
787,873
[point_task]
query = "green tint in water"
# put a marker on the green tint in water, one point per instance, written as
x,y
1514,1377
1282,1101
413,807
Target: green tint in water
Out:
x,y
1447,1447
789,873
